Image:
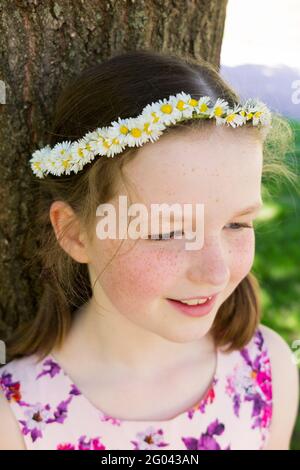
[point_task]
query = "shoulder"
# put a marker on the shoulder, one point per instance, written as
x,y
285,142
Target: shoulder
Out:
x,y
13,376
285,389
10,434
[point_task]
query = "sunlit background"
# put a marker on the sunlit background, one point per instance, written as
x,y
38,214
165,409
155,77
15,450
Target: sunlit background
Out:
x,y
261,58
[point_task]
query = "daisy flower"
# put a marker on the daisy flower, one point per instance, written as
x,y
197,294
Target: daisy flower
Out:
x,y
38,161
261,114
60,159
256,110
106,142
233,117
203,106
153,127
96,140
137,134
82,153
184,103
219,109
153,123
116,136
167,110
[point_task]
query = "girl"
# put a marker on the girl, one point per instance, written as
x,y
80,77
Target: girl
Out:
x,y
115,358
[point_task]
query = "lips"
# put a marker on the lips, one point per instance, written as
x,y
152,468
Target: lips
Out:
x,y
193,298
193,310
198,297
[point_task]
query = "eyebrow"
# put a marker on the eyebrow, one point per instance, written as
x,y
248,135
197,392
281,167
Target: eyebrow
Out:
x,y
246,210
249,209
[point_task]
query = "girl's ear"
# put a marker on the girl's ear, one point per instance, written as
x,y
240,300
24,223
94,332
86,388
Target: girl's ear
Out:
x,y
68,231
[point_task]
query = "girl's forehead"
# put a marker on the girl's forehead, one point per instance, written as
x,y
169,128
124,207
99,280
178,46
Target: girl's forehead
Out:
x,y
197,173
219,152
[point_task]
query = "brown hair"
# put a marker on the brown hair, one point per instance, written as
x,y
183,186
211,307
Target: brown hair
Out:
x,y
123,86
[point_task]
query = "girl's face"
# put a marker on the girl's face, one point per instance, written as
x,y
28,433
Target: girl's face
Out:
x,y
221,169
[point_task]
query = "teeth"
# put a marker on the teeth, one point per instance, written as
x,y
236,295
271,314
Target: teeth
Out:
x,y
195,301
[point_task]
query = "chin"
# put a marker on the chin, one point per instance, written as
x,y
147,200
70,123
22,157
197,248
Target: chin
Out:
x,y
193,332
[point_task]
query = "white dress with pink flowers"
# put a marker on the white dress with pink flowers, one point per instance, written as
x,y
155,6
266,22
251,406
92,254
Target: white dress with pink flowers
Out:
x,y
235,412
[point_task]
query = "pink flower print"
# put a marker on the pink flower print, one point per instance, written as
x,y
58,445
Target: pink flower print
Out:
x,y
258,339
97,445
202,404
114,421
151,438
206,441
266,416
239,380
37,416
66,446
260,391
12,390
74,390
61,412
51,369
262,378
240,384
244,381
91,444
229,387
258,410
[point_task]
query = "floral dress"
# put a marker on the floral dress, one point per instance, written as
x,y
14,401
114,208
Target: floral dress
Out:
x,y
234,413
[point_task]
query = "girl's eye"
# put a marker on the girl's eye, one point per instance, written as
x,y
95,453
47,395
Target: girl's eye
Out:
x,y
164,236
169,236
241,226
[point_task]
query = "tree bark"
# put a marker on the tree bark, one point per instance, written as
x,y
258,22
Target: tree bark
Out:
x,y
43,44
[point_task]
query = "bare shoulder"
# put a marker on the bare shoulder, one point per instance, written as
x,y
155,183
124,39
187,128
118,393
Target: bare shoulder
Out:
x,y
10,434
285,387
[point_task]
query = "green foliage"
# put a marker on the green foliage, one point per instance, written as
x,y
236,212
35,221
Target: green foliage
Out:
x,y
277,259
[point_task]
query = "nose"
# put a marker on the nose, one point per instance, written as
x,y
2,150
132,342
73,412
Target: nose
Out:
x,y
209,265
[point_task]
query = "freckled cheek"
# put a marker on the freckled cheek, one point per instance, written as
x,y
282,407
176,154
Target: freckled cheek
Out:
x,y
141,276
242,255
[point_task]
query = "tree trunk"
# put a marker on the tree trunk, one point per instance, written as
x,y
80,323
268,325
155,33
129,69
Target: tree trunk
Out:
x,y
43,44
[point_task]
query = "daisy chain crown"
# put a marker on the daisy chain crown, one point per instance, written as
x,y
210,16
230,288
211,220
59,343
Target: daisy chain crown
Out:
x,y
67,156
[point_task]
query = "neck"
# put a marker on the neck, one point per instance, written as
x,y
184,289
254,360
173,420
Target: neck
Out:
x,y
108,338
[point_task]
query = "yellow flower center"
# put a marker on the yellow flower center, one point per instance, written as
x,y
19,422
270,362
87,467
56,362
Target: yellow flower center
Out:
x,y
230,117
66,163
135,132
203,107
166,108
155,117
146,128
124,130
193,102
218,111
181,105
